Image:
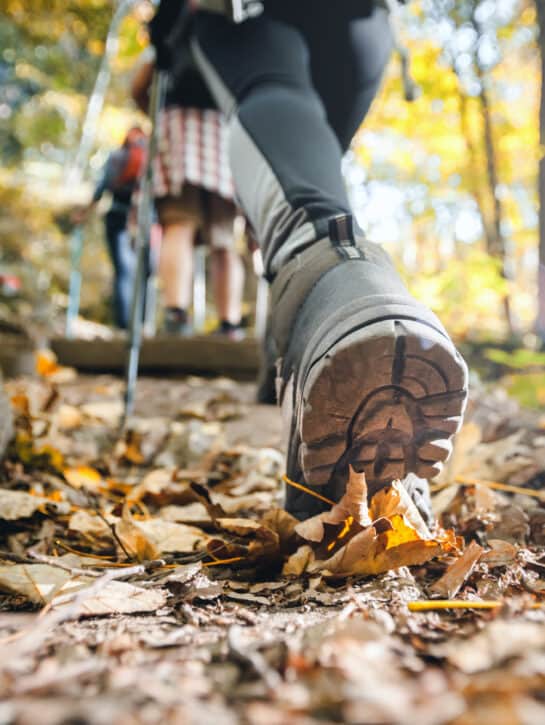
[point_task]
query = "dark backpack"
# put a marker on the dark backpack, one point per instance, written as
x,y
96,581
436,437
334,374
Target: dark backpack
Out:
x,y
170,29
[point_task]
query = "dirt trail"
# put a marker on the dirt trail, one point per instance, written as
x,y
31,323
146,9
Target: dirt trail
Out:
x,y
220,635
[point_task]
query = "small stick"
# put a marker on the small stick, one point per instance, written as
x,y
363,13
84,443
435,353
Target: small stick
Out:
x,y
54,561
308,490
462,481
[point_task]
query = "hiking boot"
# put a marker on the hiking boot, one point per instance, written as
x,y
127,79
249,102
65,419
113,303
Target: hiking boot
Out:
x,y
368,375
230,330
177,322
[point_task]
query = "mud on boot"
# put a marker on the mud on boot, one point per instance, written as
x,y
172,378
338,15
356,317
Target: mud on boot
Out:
x,y
370,378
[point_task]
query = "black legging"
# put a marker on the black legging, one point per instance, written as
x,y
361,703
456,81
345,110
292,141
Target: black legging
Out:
x,y
296,83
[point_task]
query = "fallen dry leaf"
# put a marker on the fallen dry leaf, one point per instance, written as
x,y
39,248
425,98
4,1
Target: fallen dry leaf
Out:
x,y
37,582
68,417
20,505
170,537
458,572
134,540
353,506
153,484
501,553
83,477
105,411
193,513
48,367
91,525
148,539
114,598
353,538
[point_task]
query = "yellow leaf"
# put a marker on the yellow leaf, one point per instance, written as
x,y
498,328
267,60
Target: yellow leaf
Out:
x,y
48,367
83,477
46,362
351,545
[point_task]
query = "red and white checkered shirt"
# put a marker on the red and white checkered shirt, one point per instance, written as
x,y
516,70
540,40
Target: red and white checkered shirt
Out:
x,y
193,148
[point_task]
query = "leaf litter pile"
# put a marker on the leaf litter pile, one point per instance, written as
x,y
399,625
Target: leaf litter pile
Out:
x,y
153,577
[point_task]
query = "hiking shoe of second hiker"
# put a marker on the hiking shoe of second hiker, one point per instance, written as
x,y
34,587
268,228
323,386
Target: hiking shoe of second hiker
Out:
x,y
368,375
177,322
230,330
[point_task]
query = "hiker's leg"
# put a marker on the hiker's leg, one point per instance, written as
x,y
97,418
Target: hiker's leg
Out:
x,y
125,277
226,268
176,264
369,377
347,79
180,218
285,158
115,228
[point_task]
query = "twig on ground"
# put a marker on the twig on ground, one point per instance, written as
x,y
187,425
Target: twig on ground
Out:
x,y
507,487
54,561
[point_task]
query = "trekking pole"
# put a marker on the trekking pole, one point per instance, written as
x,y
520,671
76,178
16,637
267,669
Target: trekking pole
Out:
x,y
74,288
144,220
88,133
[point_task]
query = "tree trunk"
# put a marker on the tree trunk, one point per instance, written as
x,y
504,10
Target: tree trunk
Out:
x,y
495,241
476,190
540,322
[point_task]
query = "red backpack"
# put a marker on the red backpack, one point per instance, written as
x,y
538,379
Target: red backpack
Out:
x,y
131,163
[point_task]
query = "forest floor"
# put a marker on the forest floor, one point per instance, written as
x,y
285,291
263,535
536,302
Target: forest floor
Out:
x,y
152,578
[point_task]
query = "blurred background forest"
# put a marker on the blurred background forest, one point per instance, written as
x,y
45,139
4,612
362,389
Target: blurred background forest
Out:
x,y
448,182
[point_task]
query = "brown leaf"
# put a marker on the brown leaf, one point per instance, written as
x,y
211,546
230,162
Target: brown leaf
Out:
x,y
159,487
395,500
90,525
39,583
168,537
193,513
114,598
501,553
134,540
283,524
202,494
83,477
20,505
344,542
240,527
458,572
352,505
299,561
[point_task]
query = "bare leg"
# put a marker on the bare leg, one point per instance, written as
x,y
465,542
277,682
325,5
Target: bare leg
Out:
x,y
228,282
176,264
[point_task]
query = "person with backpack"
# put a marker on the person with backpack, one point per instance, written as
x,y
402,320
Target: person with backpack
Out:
x,y
120,177
367,377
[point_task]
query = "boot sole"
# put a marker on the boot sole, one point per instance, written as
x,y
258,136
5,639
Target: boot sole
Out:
x,y
387,399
